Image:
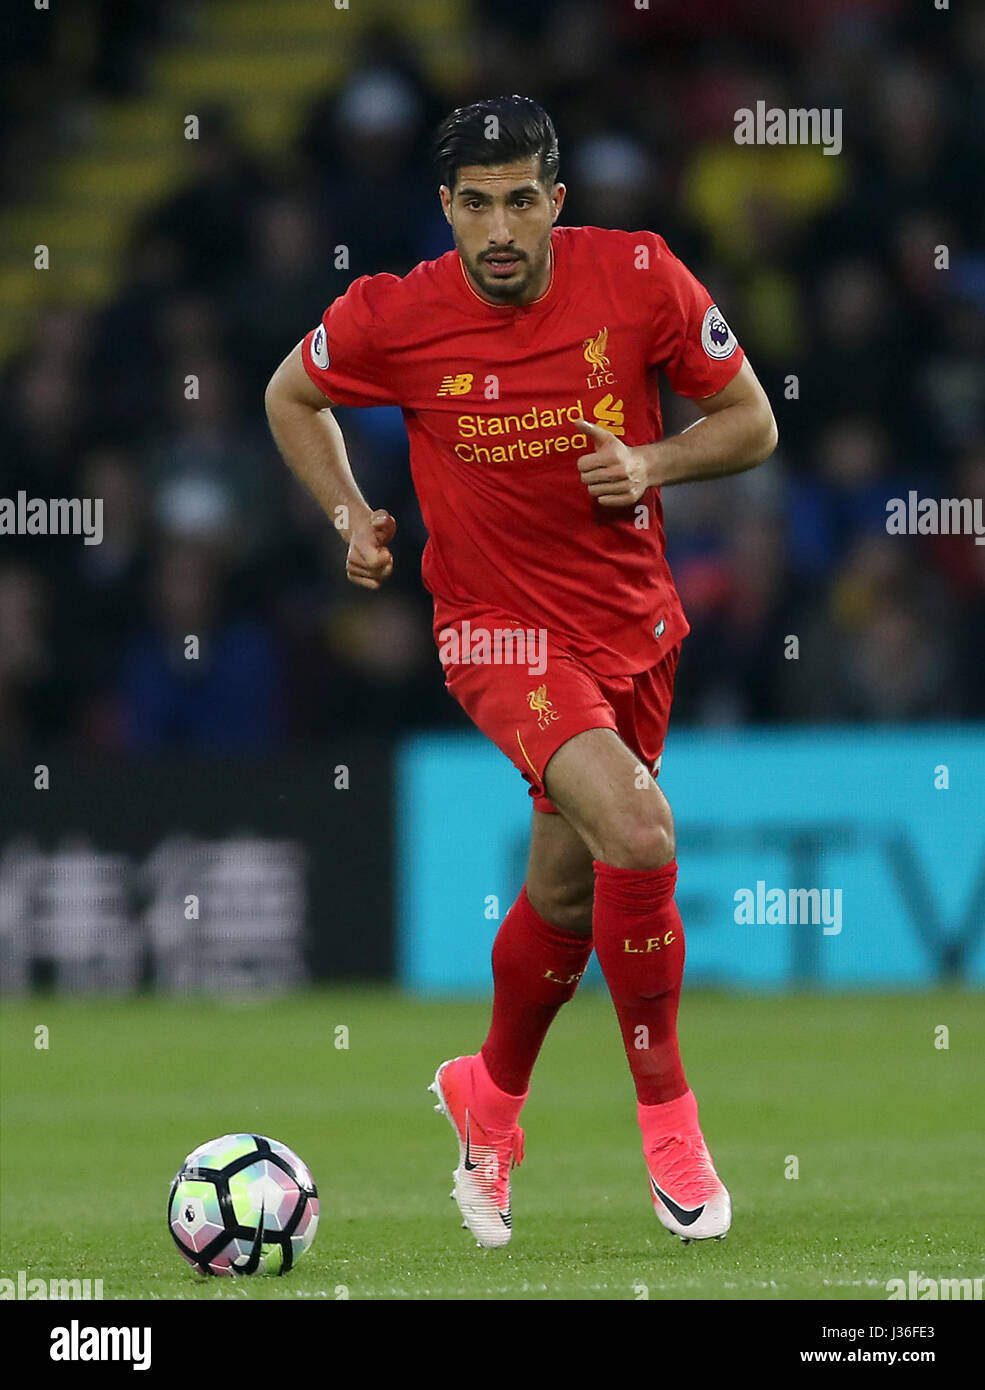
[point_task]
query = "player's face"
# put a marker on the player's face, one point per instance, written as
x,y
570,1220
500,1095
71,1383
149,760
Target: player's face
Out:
x,y
501,218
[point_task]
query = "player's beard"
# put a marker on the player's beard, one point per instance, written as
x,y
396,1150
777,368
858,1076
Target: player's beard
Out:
x,y
516,289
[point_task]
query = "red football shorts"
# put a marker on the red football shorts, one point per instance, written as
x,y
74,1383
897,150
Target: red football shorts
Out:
x,y
528,715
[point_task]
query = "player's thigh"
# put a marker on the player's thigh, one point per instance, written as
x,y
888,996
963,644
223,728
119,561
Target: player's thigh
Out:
x,y
610,799
527,716
560,877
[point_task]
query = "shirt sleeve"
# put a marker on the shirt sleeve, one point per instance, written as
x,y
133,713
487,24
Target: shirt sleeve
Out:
x,y
344,355
692,344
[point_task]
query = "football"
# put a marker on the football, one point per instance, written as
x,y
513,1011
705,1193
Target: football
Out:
x,y
243,1204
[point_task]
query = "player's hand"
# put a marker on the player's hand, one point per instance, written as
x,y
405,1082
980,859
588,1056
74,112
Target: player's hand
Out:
x,y
615,475
369,561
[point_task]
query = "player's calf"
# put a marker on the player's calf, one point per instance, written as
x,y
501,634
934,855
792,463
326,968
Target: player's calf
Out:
x,y
560,876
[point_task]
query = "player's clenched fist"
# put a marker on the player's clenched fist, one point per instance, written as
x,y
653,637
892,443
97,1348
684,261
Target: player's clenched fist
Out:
x,y
369,561
615,475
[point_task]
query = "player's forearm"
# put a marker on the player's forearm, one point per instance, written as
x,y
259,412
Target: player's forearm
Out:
x,y
730,441
312,445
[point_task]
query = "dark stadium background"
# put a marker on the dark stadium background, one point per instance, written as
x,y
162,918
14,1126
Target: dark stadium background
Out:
x,y
213,256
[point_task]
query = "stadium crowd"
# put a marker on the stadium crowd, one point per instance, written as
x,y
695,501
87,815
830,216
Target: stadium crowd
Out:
x,y
827,268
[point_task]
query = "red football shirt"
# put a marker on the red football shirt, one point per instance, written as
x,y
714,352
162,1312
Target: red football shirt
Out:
x,y
489,394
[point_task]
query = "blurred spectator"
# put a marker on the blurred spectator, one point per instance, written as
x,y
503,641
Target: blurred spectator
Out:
x,y
742,610
879,646
205,217
846,494
32,699
207,443
105,582
365,147
194,676
292,278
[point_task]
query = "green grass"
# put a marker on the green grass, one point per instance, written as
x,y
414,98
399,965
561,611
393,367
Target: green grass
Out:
x,y
886,1129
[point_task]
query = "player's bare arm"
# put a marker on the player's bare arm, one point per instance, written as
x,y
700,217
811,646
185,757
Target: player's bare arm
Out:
x,y
311,444
737,432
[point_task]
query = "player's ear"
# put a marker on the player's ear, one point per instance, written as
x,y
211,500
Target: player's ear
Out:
x,y
558,194
444,193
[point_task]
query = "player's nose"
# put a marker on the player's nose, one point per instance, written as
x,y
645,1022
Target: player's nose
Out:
x,y
500,236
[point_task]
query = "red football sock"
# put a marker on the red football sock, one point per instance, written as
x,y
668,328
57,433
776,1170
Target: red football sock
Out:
x,y
639,941
536,969
678,1116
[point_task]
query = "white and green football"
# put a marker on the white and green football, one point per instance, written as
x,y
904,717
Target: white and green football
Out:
x,y
243,1204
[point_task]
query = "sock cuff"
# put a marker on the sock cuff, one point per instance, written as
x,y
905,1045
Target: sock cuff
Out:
x,y
637,886
548,932
677,1116
501,1107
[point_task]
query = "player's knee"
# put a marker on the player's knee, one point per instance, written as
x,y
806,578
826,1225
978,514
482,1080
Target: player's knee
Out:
x,y
640,843
567,907
574,918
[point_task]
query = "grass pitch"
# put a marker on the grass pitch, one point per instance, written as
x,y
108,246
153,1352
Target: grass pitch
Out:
x,y
883,1127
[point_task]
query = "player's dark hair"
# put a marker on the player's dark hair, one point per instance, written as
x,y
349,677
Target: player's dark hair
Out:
x,y
500,130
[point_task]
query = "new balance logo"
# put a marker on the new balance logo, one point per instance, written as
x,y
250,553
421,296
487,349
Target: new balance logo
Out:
x,y
459,385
